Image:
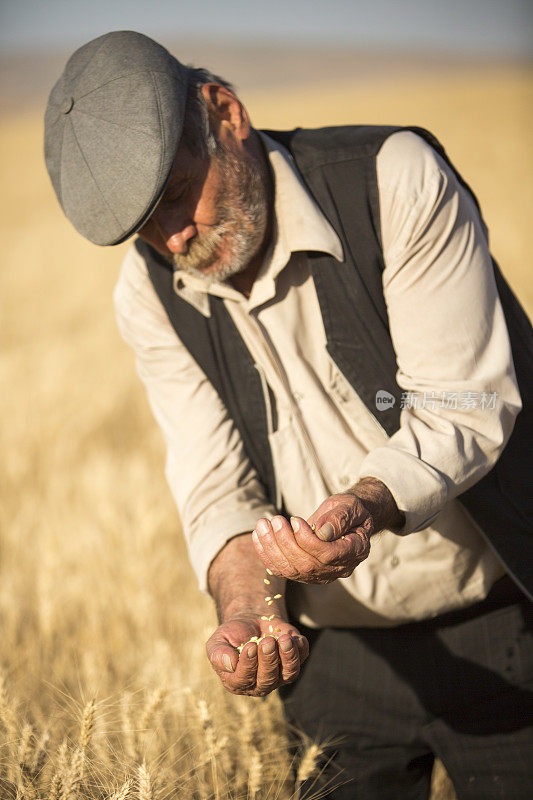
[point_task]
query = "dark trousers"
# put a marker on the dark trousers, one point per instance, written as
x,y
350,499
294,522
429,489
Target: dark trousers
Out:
x,y
390,700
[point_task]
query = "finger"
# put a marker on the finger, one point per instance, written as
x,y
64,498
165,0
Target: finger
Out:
x,y
297,561
223,658
271,550
260,549
244,679
303,648
290,658
340,520
268,670
307,539
352,545
351,548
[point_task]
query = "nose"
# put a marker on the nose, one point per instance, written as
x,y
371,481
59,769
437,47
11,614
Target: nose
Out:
x,y
174,232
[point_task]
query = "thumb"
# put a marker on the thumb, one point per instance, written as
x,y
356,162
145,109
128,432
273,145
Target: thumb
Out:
x,y
337,522
222,656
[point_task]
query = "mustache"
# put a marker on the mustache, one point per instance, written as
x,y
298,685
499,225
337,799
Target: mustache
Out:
x,y
201,252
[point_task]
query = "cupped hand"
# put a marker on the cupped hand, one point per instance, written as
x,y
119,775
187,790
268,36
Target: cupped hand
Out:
x,y
259,668
338,541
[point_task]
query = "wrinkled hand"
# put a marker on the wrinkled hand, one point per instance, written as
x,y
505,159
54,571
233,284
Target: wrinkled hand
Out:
x,y
299,553
258,669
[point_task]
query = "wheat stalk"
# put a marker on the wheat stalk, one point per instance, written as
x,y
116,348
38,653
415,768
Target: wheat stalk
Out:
x,y
126,726
74,776
255,773
307,766
147,717
145,783
87,726
9,722
55,787
39,755
123,792
150,709
62,759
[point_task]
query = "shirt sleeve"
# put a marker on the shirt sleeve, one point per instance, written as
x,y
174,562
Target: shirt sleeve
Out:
x,y
216,490
448,330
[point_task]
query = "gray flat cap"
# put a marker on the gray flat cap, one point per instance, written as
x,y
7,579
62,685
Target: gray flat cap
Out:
x,y
112,126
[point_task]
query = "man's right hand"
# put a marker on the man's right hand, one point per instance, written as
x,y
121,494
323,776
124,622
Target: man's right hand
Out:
x,y
258,669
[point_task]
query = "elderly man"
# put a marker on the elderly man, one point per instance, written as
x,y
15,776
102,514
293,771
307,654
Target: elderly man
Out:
x,y
328,349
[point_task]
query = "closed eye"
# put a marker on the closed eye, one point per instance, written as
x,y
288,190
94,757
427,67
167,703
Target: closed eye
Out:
x,y
175,193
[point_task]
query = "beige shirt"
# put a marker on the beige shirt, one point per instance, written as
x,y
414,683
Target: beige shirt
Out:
x,y
453,355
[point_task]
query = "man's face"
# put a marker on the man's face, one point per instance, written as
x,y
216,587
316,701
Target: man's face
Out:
x,y
213,215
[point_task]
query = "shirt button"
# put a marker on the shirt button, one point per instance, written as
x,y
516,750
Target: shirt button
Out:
x,y
298,396
394,561
345,480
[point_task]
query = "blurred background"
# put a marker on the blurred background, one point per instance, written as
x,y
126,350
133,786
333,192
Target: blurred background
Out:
x,y
97,600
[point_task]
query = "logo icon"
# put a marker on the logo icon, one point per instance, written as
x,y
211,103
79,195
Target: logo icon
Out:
x,y
384,400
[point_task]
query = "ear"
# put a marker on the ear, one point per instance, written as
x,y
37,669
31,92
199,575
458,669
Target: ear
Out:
x,y
227,113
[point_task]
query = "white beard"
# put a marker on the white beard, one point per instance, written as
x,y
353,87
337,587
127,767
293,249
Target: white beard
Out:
x,y
242,207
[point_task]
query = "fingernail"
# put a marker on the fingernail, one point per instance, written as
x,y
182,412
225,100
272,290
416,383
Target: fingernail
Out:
x,y
252,650
285,645
326,532
295,524
276,524
268,647
262,526
227,662
301,642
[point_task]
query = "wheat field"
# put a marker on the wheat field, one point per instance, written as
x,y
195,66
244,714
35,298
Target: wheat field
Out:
x,y
105,690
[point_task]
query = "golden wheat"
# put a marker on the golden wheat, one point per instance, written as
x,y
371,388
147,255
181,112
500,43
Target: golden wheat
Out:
x,y
123,792
145,783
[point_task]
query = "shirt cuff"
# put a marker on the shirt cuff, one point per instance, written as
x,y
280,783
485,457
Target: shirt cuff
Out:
x,y
419,490
205,545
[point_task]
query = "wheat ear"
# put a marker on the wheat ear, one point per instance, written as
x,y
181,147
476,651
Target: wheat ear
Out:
x,y
145,783
255,773
307,766
123,792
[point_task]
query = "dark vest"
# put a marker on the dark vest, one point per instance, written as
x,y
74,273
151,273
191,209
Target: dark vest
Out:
x,y
339,168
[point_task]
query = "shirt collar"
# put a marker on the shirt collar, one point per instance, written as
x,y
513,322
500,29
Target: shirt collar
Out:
x,y
298,224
